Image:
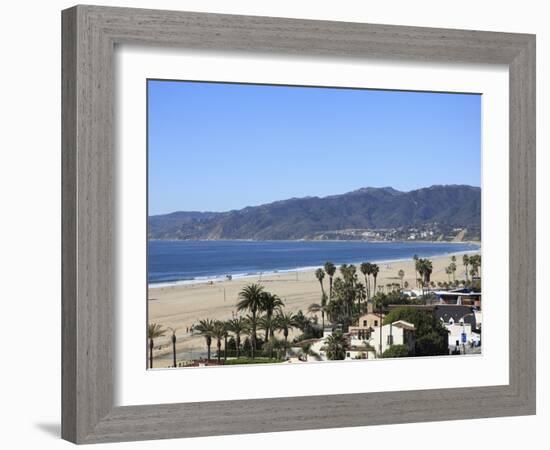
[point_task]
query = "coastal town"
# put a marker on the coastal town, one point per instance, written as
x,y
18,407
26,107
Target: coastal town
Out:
x,y
430,232
422,307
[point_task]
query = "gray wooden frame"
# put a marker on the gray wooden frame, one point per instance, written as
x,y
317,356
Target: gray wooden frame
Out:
x,y
89,36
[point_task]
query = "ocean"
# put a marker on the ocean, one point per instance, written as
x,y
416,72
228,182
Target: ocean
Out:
x,y
173,262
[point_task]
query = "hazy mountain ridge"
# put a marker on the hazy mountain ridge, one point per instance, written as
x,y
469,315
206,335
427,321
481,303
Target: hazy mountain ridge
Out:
x,y
448,206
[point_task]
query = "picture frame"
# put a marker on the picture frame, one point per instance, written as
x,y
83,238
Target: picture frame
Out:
x,y
90,34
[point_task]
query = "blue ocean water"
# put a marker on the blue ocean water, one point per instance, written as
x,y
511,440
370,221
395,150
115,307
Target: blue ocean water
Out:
x,y
185,261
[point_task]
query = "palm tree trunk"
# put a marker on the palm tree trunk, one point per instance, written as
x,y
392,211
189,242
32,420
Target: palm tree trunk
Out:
x,y
380,349
150,353
267,329
225,348
253,334
208,358
238,344
174,349
286,342
219,351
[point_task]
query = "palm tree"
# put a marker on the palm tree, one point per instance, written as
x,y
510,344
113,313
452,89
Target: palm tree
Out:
x,y
335,346
238,326
374,270
322,308
173,330
360,294
425,269
448,272
320,274
206,328
330,269
415,258
475,262
285,322
251,300
365,269
452,266
267,324
219,332
401,274
466,263
154,330
351,273
269,304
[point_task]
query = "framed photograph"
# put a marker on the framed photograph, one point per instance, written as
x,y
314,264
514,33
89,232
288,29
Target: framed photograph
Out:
x,y
258,209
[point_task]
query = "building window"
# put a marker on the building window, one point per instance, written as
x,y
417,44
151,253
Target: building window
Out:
x,y
364,323
376,323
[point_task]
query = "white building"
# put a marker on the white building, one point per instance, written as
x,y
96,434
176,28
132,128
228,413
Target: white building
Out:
x,y
455,334
363,343
380,339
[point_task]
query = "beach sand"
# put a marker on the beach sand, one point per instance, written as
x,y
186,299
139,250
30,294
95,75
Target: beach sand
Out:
x,y
180,306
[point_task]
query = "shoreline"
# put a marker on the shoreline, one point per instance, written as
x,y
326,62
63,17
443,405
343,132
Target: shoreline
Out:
x,y
223,277
315,240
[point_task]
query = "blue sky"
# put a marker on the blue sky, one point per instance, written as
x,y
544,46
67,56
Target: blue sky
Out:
x,y
217,147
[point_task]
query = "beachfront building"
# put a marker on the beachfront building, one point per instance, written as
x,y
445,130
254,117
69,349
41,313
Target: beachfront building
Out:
x,y
365,325
461,322
379,338
463,296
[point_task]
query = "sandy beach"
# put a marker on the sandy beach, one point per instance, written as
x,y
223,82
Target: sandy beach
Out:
x,y
180,306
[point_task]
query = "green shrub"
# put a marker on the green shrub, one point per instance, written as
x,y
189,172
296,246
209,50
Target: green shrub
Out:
x,y
396,351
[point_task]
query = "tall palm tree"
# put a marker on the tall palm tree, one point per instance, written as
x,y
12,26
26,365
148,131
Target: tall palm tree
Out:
x,y
238,326
374,270
285,322
173,338
320,274
360,294
452,266
425,270
330,269
154,330
219,332
401,274
352,270
475,263
466,263
365,270
344,271
251,300
416,274
448,272
206,328
322,308
270,303
267,324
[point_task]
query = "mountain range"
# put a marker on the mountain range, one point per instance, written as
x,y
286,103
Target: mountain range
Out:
x,y
439,208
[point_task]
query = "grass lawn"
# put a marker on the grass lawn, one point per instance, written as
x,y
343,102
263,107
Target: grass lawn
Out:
x,y
234,361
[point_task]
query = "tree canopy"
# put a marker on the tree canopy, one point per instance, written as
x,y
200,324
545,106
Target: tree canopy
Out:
x,y
430,334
